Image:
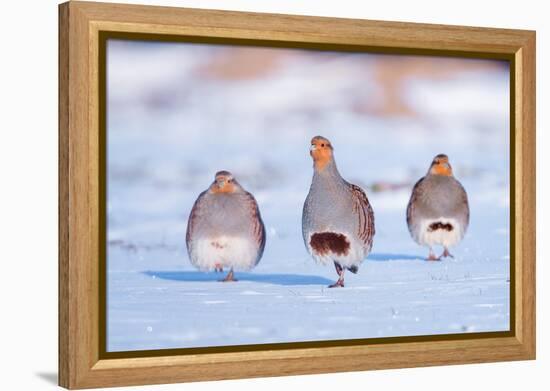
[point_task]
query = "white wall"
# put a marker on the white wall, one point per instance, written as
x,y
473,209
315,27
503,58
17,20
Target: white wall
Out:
x,y
28,212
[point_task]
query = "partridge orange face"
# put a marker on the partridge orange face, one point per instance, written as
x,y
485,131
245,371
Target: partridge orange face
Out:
x,y
223,183
320,151
441,166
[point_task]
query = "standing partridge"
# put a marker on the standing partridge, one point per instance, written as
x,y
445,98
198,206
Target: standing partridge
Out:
x,y
438,212
225,229
337,220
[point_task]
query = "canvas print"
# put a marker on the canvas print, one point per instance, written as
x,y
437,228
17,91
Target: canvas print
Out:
x,y
261,195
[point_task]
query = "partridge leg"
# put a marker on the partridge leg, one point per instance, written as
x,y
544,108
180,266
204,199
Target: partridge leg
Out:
x,y
218,268
446,253
340,270
230,277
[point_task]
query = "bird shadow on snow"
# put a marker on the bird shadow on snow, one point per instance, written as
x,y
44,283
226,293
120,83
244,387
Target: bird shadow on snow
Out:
x,y
385,257
276,279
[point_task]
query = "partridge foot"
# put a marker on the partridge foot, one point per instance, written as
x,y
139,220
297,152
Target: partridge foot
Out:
x,y
230,277
432,257
337,284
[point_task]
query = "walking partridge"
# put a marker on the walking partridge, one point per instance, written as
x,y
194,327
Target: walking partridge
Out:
x,y
337,220
225,229
438,212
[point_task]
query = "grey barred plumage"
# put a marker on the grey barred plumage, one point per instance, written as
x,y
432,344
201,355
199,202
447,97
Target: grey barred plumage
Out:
x,y
438,211
337,218
225,228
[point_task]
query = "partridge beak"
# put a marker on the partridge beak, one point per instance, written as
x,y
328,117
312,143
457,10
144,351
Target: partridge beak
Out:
x,y
221,183
313,147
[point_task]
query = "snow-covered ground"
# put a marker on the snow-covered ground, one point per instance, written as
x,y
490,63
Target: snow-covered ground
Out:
x,y
172,125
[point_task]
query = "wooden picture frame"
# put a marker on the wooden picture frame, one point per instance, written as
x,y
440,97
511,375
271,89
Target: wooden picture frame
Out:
x,y
82,362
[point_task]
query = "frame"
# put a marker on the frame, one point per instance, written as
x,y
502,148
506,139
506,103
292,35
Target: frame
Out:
x,y
83,30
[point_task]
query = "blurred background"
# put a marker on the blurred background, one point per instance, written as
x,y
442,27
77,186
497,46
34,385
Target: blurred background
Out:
x,y
179,112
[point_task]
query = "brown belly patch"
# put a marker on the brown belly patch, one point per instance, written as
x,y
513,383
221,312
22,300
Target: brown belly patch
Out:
x,y
324,243
439,225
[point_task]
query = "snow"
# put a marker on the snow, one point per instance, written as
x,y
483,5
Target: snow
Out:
x,y
171,129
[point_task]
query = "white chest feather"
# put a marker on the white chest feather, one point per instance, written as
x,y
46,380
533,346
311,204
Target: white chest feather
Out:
x,y
352,253
441,231
224,251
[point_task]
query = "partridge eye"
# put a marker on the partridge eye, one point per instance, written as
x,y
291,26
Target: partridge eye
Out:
x,y
322,145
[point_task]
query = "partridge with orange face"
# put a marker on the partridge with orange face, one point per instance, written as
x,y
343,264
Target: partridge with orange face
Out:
x,y
337,219
438,211
225,229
